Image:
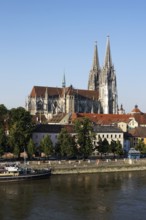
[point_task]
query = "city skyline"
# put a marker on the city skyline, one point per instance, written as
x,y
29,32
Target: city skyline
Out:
x,y
40,42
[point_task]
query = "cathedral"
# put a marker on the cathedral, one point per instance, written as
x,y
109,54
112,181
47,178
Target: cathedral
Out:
x,y
100,96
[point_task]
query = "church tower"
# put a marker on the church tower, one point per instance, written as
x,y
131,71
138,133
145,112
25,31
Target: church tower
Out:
x,y
93,82
107,85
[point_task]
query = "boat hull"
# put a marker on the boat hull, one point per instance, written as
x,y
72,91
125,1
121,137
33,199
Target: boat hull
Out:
x,y
25,177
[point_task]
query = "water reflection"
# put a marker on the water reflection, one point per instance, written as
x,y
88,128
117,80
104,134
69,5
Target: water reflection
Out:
x,y
94,196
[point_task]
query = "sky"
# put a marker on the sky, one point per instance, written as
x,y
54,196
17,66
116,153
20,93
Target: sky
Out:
x,y
41,40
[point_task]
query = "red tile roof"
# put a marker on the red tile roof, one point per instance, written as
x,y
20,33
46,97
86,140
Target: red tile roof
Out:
x,y
102,119
39,91
136,110
140,118
108,119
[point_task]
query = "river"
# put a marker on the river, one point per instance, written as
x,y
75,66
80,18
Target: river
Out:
x,y
103,196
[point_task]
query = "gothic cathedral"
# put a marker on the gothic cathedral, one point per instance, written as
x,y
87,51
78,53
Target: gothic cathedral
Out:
x,y
100,97
103,80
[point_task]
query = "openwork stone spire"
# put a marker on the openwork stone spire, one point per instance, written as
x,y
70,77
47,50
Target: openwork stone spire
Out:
x,y
108,58
108,85
95,65
93,81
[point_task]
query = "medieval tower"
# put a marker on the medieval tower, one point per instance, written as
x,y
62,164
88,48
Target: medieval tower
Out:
x,y
103,80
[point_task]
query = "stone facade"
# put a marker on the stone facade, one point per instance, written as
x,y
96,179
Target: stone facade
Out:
x,y
53,130
101,96
52,101
103,80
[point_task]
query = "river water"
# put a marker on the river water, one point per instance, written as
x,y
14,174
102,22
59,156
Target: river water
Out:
x,y
105,196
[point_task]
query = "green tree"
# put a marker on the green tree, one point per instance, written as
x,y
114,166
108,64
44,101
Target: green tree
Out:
x,y
3,141
141,146
85,136
103,146
20,122
3,115
46,145
113,147
119,149
65,146
30,148
99,146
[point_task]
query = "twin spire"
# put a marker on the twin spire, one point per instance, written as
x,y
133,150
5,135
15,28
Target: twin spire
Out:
x,y
94,74
107,60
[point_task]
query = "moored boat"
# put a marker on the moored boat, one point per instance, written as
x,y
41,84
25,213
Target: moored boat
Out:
x,y
16,173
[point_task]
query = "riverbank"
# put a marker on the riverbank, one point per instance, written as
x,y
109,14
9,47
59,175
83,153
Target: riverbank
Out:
x,y
90,166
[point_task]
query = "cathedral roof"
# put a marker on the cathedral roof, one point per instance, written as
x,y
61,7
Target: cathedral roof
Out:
x,y
91,94
40,91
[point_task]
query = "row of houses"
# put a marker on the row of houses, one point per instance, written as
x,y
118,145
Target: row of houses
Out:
x,y
126,128
101,132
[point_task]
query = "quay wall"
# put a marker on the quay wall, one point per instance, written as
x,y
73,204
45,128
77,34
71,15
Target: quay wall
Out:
x,y
90,166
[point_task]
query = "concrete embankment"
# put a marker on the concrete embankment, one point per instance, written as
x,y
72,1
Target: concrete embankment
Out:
x,y
91,166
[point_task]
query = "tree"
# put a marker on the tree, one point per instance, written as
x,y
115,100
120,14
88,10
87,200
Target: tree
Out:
x,y
119,149
16,151
141,146
20,122
99,146
103,146
65,146
30,148
3,115
85,136
47,145
3,141
113,147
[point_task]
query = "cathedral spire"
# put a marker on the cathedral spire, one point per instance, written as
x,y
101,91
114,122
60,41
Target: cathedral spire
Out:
x,y
95,58
63,81
108,58
93,81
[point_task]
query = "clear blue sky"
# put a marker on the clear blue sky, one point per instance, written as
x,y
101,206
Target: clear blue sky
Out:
x,y
42,39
